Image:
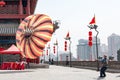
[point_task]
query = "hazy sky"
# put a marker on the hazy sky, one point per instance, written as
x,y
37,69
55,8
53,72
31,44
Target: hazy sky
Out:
x,y
75,15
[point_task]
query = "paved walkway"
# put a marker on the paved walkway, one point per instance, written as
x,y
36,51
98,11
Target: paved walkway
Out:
x,y
55,73
95,68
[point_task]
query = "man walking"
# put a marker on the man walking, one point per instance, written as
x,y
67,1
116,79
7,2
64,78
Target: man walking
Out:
x,y
104,65
67,62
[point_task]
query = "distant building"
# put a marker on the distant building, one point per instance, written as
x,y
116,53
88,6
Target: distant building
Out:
x,y
83,50
113,45
86,53
103,50
62,57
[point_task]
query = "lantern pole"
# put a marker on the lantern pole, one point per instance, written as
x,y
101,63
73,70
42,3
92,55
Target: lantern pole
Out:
x,y
97,49
69,38
56,44
56,25
95,27
44,55
48,48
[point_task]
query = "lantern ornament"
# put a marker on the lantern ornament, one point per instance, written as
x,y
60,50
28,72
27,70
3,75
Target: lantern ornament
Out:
x,y
33,34
65,46
90,38
2,3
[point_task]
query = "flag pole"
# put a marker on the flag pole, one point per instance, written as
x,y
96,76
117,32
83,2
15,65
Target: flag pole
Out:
x,y
94,26
69,38
56,44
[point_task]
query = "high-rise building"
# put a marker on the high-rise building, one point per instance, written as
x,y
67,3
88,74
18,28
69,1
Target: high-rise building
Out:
x,y
84,52
103,50
113,45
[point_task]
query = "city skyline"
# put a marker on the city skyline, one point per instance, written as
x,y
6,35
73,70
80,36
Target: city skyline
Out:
x,y
84,52
75,15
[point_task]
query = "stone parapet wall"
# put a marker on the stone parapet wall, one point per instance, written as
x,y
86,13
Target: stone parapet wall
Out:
x,y
111,65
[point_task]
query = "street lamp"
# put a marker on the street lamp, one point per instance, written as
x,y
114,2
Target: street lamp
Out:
x,y
48,48
44,55
56,44
55,27
69,38
95,27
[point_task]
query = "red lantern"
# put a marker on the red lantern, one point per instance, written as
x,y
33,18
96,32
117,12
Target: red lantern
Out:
x,y
90,38
90,33
2,3
90,44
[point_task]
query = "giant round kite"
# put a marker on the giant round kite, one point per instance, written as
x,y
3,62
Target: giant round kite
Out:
x,y
32,35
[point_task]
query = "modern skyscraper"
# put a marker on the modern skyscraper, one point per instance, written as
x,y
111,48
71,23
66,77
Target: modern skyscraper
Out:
x,y
113,45
103,50
84,52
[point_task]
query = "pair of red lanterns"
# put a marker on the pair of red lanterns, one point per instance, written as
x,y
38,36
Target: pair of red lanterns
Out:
x,y
90,38
54,50
2,3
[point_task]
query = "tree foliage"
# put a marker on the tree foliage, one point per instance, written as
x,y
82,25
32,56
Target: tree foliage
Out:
x,y
111,58
118,55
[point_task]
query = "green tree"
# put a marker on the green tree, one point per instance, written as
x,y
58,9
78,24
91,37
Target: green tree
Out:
x,y
111,57
118,55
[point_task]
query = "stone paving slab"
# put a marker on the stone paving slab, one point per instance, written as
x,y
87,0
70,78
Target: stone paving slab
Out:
x,y
55,73
95,68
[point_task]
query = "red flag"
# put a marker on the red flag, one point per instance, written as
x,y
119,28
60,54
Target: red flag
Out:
x,y
67,35
93,20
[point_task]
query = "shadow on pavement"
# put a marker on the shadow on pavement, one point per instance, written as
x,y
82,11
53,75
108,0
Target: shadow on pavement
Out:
x,y
118,76
100,78
8,72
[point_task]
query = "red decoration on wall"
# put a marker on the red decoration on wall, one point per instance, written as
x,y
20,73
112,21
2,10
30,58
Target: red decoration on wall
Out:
x,y
2,3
